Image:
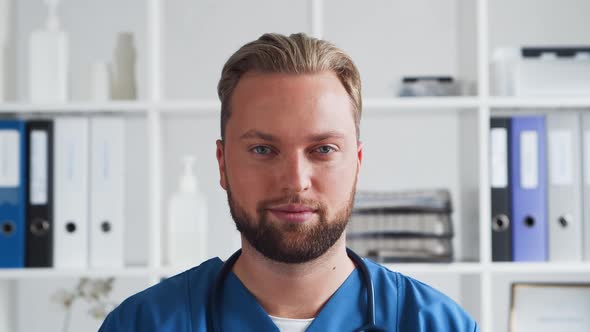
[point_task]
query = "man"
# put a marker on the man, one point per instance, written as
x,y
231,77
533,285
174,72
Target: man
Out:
x,y
289,158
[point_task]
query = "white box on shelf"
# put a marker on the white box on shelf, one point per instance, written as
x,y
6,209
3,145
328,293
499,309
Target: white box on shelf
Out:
x,y
541,72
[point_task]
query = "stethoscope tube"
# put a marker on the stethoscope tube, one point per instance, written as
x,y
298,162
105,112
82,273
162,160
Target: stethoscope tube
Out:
x,y
215,294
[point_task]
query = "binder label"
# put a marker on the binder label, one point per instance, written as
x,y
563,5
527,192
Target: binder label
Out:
x,y
499,157
587,156
529,160
38,180
561,157
9,158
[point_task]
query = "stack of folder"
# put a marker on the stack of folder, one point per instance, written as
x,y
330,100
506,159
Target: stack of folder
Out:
x,y
408,226
62,192
540,177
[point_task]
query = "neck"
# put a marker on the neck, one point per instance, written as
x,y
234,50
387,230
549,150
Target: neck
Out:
x,y
293,290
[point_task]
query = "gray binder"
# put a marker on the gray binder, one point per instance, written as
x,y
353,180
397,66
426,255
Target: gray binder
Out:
x,y
565,188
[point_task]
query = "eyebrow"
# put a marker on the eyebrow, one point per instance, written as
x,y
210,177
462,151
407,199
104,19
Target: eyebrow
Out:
x,y
253,133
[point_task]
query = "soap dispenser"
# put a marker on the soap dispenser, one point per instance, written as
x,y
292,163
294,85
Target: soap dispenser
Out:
x,y
187,220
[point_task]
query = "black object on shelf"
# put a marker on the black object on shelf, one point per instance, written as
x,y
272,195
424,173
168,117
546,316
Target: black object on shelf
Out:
x,y
428,86
561,52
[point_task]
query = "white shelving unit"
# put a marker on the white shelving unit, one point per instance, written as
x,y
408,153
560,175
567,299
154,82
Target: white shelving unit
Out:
x,y
157,106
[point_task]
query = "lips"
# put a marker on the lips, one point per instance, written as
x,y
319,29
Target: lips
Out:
x,y
293,208
293,213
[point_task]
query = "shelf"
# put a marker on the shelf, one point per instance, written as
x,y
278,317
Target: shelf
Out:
x,y
370,105
429,268
539,102
212,107
404,268
76,107
403,103
32,273
541,267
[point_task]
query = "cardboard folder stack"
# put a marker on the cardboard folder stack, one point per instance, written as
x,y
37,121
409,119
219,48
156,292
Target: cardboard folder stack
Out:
x,y
408,226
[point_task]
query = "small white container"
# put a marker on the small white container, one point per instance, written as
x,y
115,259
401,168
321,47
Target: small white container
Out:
x,y
100,90
504,60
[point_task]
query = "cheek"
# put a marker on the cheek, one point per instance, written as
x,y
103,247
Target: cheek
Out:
x,y
248,185
335,185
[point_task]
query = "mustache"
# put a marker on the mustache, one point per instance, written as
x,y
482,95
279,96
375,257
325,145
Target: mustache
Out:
x,y
290,199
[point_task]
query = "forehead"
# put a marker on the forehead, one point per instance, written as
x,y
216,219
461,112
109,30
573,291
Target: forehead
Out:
x,y
290,105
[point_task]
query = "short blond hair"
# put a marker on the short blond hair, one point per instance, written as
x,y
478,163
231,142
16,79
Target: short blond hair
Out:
x,y
295,54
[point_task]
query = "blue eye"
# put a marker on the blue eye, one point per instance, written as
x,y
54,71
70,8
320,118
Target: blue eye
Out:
x,y
325,149
261,149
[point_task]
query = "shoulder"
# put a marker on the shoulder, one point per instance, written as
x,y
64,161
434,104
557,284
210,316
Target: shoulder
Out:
x,y
419,307
168,305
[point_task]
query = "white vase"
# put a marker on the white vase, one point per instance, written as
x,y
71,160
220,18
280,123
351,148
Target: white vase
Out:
x,y
123,68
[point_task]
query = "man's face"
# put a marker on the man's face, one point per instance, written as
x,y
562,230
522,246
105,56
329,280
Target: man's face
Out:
x,y
290,163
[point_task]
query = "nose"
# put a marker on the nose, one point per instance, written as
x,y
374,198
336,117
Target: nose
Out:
x,y
296,171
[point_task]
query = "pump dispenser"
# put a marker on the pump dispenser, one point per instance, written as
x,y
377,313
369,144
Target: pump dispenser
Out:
x,y
188,180
187,220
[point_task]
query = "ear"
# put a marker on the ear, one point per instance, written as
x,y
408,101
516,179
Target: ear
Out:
x,y
221,162
359,157
359,152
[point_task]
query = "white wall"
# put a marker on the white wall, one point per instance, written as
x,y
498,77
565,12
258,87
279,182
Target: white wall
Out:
x,y
389,39
539,22
200,36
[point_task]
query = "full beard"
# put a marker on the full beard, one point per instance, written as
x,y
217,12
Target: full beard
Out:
x,y
291,242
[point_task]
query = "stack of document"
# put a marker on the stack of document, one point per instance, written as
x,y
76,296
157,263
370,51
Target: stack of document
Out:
x,y
409,226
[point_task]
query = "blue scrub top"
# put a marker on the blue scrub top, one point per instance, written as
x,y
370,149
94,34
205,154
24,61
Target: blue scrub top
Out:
x,y
179,304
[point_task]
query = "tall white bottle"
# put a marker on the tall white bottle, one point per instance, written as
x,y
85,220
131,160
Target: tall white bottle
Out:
x,y
187,221
48,60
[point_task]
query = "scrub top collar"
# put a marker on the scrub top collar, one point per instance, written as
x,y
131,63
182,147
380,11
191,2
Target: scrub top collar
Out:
x,y
241,311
